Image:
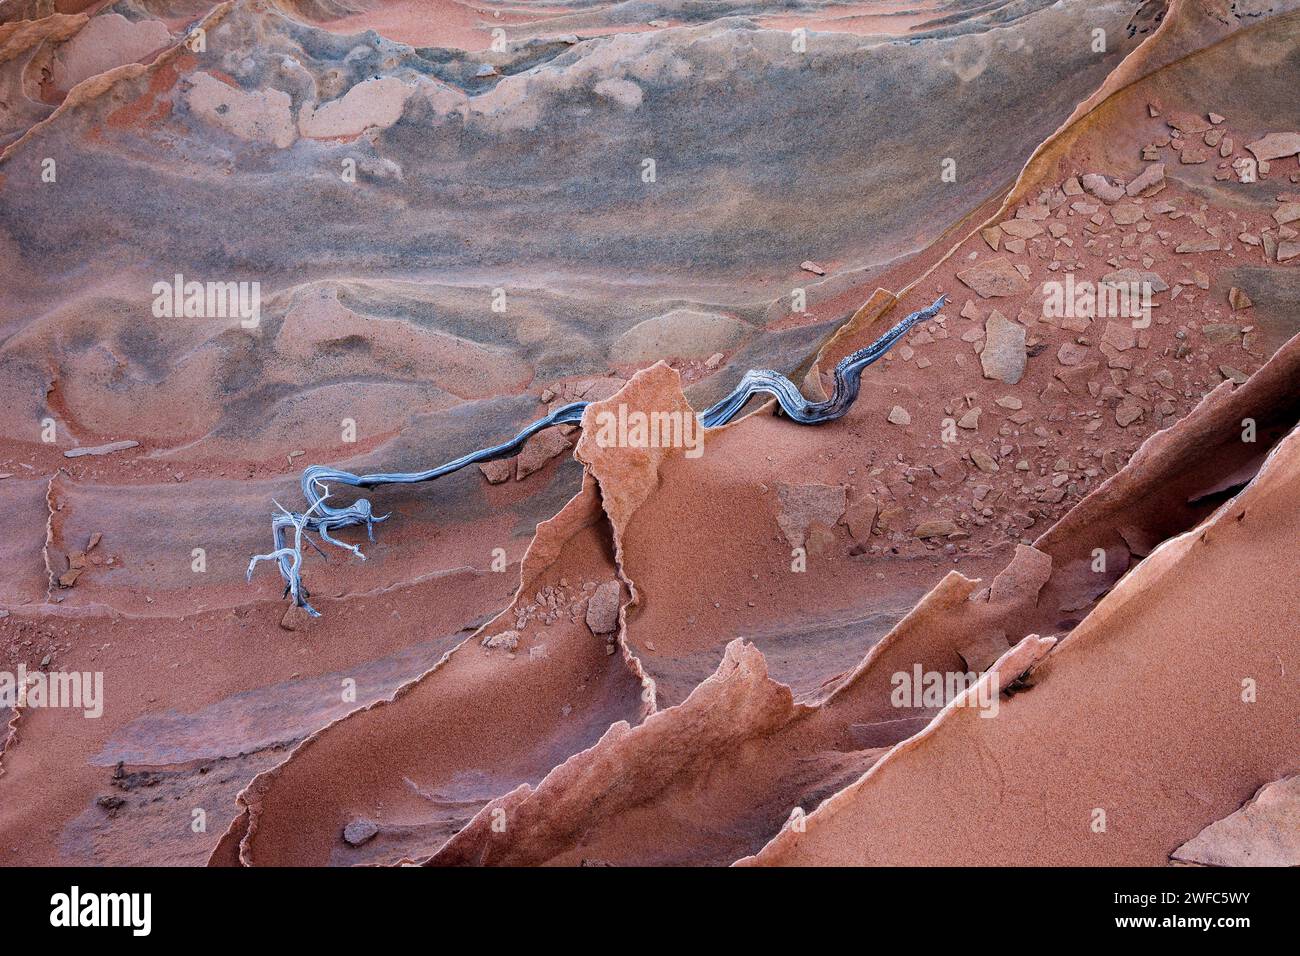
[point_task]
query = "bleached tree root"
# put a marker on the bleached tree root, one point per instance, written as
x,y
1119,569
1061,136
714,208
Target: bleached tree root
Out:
x,y
322,519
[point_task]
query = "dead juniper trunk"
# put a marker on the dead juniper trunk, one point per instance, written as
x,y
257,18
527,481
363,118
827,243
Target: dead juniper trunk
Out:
x,y
322,518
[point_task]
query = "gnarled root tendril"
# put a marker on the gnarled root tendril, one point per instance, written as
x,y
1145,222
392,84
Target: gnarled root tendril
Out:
x,y
321,518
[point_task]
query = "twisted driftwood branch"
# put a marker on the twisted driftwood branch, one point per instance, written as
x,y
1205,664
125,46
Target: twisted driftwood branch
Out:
x,y
322,518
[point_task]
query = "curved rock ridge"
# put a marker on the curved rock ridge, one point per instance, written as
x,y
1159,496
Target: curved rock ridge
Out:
x,y
1262,832
566,653
1129,663
429,784
573,816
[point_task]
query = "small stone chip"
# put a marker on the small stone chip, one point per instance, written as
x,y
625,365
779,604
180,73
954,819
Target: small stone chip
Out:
x,y
507,639
360,831
100,449
983,460
602,609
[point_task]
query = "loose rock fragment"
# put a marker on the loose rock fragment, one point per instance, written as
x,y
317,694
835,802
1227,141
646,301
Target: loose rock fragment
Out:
x,y
602,608
538,450
1071,353
100,449
935,529
1287,212
1120,336
507,639
1127,412
997,277
1125,214
1198,245
1220,333
1022,228
860,516
1275,146
983,460
1003,357
1101,187
497,471
898,415
1148,179
360,831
